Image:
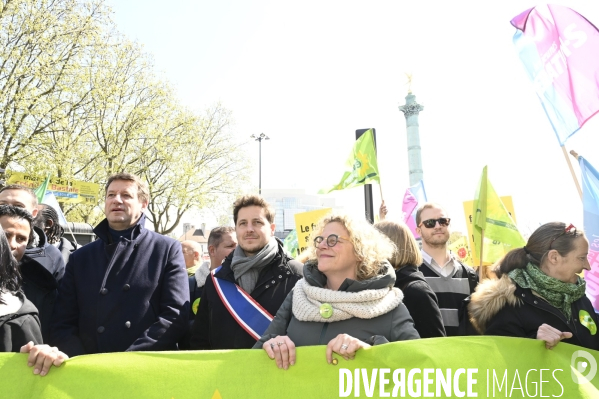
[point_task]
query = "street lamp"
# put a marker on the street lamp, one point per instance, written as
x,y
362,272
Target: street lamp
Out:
x,y
259,139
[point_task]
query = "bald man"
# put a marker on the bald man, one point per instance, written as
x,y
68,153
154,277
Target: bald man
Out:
x,y
192,253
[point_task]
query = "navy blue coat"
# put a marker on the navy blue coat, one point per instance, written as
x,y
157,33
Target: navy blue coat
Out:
x,y
131,295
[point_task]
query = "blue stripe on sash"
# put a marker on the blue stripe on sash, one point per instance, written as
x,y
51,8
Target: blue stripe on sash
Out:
x,y
248,313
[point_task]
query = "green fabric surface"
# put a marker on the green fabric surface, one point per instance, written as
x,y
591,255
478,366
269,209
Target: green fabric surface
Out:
x,y
493,219
251,374
361,167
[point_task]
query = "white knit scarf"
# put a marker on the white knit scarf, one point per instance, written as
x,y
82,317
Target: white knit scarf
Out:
x,y
366,304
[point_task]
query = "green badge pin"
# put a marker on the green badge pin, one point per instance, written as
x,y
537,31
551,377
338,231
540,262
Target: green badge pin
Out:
x,y
195,305
586,320
326,310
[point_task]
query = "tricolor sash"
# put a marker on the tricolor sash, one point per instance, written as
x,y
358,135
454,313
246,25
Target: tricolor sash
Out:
x,y
248,313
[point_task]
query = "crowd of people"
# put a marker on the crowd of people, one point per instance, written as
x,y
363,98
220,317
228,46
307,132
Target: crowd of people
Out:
x,y
359,285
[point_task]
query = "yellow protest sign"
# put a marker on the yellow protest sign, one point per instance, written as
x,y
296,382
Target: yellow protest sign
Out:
x,y
68,191
460,249
489,244
305,222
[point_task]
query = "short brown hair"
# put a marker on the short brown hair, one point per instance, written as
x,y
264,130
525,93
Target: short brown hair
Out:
x,y
143,193
253,200
22,188
424,206
407,251
217,233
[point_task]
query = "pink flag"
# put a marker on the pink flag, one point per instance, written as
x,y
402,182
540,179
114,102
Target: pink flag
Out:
x,y
559,48
414,195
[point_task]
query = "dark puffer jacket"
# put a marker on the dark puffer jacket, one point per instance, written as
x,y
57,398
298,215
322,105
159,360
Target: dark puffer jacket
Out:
x,y
215,328
396,325
501,307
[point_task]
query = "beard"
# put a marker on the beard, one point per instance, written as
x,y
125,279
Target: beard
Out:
x,y
436,240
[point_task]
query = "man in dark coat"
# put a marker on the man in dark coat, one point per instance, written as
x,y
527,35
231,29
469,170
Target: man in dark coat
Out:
x,y
259,265
42,266
126,291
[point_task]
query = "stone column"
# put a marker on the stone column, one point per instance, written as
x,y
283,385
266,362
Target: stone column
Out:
x,y
411,109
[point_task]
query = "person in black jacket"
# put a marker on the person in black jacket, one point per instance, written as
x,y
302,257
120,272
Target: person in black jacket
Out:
x,y
259,265
42,266
20,329
538,293
419,298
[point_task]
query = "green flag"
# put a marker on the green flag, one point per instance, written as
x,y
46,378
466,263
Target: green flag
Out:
x,y
491,217
361,167
41,190
290,243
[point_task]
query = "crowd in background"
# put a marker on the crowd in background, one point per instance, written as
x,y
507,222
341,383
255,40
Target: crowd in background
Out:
x,y
358,285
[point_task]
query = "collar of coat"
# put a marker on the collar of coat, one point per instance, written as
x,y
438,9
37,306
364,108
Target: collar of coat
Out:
x,y
490,297
101,230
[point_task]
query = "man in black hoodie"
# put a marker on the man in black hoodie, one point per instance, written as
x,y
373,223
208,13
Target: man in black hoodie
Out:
x,y
42,266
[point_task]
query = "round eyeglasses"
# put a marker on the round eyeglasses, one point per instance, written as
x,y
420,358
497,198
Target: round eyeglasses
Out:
x,y
331,240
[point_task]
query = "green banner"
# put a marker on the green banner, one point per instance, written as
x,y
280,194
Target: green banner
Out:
x,y
441,367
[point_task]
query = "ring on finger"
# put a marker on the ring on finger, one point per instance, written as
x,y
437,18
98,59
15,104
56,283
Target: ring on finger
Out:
x,y
344,346
272,346
280,343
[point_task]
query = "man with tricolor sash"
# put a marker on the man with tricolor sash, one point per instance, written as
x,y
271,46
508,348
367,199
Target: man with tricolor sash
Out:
x,y
241,297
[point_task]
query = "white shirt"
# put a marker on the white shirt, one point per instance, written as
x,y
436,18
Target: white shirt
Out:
x,y
448,269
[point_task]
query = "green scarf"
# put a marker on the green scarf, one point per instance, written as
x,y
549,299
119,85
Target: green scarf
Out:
x,y
559,294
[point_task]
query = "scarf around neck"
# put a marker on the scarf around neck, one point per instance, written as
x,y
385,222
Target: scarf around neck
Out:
x,y
559,294
247,269
366,304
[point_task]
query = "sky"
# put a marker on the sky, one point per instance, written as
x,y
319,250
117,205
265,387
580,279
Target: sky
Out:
x,y
309,73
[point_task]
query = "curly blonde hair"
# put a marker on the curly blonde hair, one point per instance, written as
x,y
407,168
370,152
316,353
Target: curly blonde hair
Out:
x,y
371,247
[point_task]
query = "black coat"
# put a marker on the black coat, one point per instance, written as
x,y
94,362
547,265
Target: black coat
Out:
x,y
16,329
131,295
421,302
42,268
215,328
501,307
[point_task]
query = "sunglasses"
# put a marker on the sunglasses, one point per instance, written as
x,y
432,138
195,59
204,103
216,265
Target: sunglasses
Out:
x,y
331,240
430,223
568,230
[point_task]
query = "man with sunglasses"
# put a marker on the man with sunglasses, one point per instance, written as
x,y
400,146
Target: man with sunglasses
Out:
x,y
451,281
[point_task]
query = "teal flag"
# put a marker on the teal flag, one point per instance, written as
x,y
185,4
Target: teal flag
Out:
x,y
361,167
451,367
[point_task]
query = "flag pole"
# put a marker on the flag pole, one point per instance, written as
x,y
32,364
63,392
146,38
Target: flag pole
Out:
x,y
480,264
572,171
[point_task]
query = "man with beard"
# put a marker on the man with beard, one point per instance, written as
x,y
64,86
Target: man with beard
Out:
x,y
451,281
241,296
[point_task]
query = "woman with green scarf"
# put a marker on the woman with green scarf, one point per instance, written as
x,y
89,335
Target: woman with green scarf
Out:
x,y
538,293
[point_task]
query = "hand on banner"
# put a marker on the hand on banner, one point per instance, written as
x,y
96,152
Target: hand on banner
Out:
x,y
345,345
551,336
282,350
42,357
383,211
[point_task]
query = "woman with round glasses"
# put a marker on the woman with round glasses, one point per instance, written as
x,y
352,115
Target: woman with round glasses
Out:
x,y
345,301
538,293
419,297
